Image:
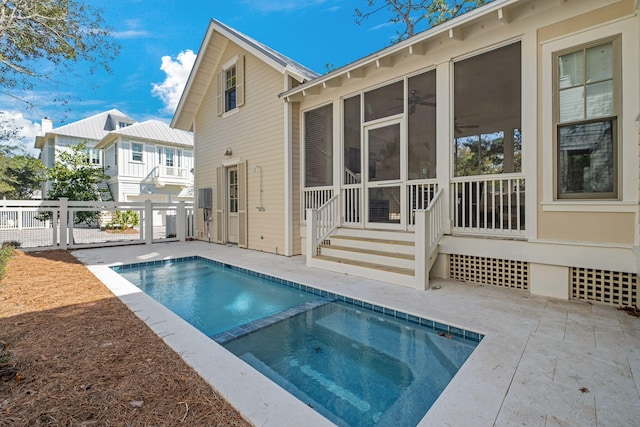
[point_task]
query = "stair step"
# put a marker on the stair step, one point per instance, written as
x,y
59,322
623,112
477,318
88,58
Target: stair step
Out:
x,y
370,265
372,240
368,233
369,251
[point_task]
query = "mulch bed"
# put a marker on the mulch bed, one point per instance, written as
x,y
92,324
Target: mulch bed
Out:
x,y
71,354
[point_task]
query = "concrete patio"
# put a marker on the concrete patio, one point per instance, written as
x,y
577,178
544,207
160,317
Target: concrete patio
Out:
x,y
543,362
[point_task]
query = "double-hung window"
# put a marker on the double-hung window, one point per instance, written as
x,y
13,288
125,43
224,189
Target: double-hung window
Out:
x,y
587,105
136,152
230,85
230,88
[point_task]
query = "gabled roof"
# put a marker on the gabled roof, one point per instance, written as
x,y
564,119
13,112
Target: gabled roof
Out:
x,y
205,68
91,128
152,131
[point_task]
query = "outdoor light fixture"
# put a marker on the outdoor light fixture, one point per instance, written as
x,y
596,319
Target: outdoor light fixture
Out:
x,y
228,152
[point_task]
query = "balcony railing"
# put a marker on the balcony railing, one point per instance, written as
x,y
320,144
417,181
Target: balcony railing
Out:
x,y
166,175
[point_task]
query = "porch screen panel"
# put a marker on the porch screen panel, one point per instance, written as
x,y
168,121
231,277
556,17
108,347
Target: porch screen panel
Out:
x,y
318,147
352,138
487,113
385,101
384,153
422,126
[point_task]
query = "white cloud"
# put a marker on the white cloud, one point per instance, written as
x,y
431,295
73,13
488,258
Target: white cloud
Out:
x,y
177,71
28,130
133,30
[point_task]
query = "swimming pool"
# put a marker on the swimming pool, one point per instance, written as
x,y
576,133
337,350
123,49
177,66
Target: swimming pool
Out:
x,y
356,363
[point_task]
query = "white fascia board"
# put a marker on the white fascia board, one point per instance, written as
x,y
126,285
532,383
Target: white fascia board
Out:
x,y
489,8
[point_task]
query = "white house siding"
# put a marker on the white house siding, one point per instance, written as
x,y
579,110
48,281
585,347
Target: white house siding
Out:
x,y
559,235
255,134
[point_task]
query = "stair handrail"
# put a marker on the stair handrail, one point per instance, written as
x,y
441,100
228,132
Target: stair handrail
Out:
x,y
429,230
435,216
321,222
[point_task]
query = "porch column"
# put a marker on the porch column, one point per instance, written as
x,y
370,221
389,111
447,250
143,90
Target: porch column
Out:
x,y
444,138
337,155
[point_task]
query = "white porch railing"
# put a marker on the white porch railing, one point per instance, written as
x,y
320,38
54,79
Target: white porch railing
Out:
x,y
321,223
315,197
352,205
490,205
429,229
419,195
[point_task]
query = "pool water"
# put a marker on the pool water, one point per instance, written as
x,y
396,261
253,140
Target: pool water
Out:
x,y
211,297
356,367
356,363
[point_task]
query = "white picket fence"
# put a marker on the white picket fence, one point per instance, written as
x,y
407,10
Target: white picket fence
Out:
x,y
55,224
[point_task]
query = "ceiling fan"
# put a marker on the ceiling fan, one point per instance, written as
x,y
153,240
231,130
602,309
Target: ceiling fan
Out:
x,y
459,127
414,100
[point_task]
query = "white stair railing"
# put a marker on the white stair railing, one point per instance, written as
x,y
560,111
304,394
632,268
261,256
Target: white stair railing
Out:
x,y
321,222
429,229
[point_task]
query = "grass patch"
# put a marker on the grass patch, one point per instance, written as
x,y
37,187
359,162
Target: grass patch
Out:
x,y
5,253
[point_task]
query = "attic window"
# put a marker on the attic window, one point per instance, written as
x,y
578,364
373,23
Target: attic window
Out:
x,y
123,125
230,85
230,89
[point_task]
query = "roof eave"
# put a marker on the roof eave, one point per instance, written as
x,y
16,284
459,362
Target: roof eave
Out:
x,y
446,27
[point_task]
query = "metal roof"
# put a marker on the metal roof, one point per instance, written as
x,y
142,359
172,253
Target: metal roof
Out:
x,y
94,127
151,130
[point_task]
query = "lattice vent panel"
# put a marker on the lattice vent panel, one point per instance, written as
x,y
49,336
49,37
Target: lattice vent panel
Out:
x,y
489,271
609,287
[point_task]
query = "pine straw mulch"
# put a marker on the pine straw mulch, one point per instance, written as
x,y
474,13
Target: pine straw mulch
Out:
x,y
72,354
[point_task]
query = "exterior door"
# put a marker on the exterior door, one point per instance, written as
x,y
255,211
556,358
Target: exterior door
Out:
x,y
232,205
385,200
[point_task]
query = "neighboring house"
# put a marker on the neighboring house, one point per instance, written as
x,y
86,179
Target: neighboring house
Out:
x,y
89,130
522,115
144,160
149,160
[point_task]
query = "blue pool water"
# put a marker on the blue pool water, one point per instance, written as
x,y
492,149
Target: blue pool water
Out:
x,y
210,297
355,363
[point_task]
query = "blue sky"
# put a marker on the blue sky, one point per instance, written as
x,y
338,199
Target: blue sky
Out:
x,y
159,39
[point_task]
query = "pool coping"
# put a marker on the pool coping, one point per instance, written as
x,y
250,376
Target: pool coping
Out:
x,y
259,400
445,328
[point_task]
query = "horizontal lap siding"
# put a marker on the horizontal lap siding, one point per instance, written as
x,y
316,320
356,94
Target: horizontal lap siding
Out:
x,y
255,134
295,176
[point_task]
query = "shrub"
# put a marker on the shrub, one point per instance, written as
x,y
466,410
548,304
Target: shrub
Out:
x,y
5,253
124,220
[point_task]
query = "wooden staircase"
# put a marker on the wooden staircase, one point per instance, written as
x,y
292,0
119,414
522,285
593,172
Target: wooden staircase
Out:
x,y
388,256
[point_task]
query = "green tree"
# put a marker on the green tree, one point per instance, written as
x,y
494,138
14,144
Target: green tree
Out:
x,y
416,14
20,176
73,177
37,35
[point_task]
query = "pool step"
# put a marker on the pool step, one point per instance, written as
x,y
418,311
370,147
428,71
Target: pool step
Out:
x,y
256,325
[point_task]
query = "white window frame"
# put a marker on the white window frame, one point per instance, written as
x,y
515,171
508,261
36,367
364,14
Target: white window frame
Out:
x,y
237,63
133,152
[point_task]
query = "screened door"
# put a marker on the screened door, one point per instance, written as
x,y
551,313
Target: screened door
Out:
x,y
384,200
